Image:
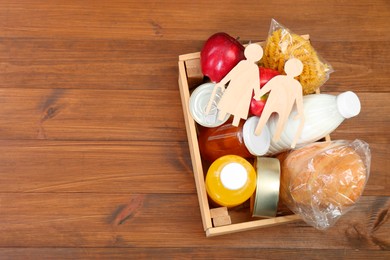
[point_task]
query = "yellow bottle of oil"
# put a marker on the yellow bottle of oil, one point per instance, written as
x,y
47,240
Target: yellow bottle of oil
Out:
x,y
230,181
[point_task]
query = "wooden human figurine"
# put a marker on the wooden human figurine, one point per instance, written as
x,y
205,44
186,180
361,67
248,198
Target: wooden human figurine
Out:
x,y
284,92
243,79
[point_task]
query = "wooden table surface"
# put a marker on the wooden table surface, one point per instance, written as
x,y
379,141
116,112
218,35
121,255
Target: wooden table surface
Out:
x,y
94,158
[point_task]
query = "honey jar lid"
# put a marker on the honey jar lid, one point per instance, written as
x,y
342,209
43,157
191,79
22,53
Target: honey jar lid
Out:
x,y
198,102
266,198
257,145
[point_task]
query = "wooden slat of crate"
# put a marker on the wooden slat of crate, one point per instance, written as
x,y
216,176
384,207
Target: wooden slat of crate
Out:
x,y
194,148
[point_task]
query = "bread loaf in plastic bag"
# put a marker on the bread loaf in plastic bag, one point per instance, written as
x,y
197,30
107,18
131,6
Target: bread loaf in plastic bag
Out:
x,y
322,181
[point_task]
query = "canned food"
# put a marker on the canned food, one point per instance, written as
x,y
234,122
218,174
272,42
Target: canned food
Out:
x,y
198,103
265,200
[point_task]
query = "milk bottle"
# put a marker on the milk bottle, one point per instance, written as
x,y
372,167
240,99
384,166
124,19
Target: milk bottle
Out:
x,y
323,114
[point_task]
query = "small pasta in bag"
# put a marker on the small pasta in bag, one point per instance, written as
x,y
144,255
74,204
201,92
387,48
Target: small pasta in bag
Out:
x,y
282,45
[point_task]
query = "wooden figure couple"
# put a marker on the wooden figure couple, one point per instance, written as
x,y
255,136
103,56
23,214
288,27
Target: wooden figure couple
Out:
x,y
244,79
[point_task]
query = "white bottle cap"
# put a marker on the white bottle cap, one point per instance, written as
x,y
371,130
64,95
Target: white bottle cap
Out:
x,y
348,104
233,176
256,144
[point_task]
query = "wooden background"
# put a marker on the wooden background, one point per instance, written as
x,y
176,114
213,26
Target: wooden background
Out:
x,y
94,159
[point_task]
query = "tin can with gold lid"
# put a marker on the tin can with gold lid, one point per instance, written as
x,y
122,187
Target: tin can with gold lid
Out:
x,y
199,100
264,202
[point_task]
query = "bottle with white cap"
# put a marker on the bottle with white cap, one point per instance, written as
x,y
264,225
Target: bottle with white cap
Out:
x,y
230,181
323,113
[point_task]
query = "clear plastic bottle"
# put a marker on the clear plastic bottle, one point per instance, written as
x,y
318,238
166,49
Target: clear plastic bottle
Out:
x,y
323,114
230,181
228,139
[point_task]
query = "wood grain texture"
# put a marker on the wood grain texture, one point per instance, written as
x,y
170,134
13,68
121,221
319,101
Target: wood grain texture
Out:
x,y
94,158
185,253
182,20
98,167
120,167
137,115
88,114
128,64
143,220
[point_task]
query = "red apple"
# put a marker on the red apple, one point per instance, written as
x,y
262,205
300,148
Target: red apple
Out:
x,y
219,55
257,106
266,74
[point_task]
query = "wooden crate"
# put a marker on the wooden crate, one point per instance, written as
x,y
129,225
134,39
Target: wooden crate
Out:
x,y
190,76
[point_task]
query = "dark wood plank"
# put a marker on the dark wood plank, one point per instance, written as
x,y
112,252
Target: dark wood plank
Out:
x,y
89,63
358,65
331,20
91,115
188,252
145,220
139,64
139,115
100,167
121,167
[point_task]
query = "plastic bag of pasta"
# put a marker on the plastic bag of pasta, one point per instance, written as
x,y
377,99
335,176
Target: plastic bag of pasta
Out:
x,y
282,45
322,181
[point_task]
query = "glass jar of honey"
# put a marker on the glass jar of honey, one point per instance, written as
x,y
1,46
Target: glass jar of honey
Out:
x,y
228,139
